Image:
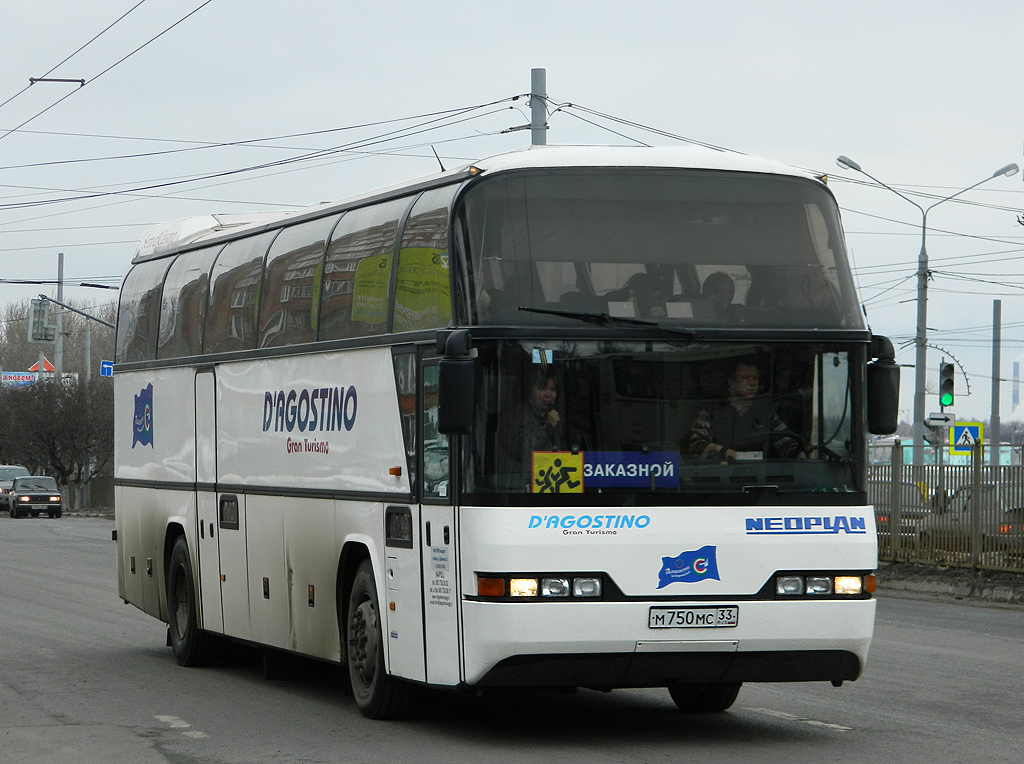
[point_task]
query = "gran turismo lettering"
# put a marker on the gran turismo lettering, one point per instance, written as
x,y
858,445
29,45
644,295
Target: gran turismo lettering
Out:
x,y
314,409
802,526
307,446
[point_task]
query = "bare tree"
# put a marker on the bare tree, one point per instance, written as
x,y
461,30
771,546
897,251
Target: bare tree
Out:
x,y
63,429
18,354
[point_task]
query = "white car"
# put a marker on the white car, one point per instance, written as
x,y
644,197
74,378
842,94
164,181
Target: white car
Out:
x,y
8,472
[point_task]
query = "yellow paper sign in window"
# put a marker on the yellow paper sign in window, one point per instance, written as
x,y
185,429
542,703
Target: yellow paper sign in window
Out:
x,y
557,472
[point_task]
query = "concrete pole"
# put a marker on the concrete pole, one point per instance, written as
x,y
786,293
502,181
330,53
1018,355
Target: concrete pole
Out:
x,y
921,348
86,489
995,428
58,352
538,105
87,353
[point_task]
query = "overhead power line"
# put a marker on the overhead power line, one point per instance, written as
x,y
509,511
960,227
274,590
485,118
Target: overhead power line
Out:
x,y
416,129
112,66
640,126
48,229
33,80
55,247
928,196
205,145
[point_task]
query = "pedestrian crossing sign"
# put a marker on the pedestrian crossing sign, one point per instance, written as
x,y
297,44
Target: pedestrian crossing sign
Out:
x,y
963,436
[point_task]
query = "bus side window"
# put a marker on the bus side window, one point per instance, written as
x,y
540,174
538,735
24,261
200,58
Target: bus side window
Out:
x,y
138,314
356,288
405,384
183,307
234,291
422,290
292,280
435,444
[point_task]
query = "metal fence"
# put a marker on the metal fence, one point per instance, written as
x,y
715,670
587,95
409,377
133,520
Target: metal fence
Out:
x,y
966,515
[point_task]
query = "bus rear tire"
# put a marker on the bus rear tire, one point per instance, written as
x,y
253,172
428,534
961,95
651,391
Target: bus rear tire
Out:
x,y
704,698
191,645
377,695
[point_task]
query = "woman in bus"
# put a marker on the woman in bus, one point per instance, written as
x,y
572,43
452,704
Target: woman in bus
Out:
x,y
533,425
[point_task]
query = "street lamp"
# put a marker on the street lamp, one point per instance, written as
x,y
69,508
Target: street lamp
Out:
x,y
921,335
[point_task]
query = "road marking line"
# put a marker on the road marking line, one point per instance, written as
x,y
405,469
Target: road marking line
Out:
x,y
173,721
800,719
195,734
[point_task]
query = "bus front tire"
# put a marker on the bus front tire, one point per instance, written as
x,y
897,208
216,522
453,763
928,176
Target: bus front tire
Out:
x,y
704,698
191,645
377,695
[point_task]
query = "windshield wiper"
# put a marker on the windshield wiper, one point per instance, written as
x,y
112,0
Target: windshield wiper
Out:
x,y
606,319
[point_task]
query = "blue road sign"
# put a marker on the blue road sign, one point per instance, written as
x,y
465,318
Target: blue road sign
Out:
x,y
106,368
963,436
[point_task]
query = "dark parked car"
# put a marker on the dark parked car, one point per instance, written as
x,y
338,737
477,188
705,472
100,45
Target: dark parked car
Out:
x,y
1000,521
912,511
1008,535
34,495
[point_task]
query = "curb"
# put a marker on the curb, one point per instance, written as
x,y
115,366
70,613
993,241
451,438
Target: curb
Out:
x,y
952,583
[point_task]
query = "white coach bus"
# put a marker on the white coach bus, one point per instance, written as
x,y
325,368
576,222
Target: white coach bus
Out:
x,y
570,417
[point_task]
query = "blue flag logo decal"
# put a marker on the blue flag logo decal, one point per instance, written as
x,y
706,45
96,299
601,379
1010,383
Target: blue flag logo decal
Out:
x,y
142,424
689,567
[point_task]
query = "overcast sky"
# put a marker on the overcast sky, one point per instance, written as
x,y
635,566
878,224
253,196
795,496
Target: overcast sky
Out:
x,y
926,96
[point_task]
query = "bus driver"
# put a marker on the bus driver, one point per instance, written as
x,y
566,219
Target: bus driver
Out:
x,y
744,425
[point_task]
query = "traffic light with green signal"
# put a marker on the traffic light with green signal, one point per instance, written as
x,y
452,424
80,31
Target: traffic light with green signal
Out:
x,y
946,372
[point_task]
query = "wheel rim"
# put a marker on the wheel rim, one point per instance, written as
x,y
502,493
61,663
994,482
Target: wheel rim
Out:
x,y
363,645
180,603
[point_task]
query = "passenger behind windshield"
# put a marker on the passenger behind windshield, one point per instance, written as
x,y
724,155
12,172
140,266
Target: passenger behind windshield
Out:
x,y
718,292
743,426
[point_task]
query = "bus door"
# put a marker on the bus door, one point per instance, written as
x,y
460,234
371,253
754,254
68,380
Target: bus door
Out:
x,y
403,610
223,580
208,554
438,535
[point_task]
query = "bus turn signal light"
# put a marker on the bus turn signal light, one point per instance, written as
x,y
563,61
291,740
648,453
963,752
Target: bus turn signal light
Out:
x,y
558,586
490,587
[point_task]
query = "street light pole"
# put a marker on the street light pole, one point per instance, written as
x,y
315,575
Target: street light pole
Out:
x,y
921,334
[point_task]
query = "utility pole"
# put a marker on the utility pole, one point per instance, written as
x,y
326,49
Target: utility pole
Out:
x,y
923,273
995,435
87,353
58,348
538,107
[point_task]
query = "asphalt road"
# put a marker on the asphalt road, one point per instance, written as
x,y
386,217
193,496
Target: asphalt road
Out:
x,y
84,678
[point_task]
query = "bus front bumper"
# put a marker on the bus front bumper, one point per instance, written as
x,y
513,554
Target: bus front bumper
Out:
x,y
610,645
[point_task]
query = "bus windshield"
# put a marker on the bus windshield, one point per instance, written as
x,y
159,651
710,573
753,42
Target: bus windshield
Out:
x,y
696,247
737,424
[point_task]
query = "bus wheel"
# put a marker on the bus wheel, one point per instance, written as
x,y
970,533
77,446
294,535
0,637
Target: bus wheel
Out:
x,y
377,695
704,698
191,645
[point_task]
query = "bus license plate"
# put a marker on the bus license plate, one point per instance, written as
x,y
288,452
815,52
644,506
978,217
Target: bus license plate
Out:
x,y
693,617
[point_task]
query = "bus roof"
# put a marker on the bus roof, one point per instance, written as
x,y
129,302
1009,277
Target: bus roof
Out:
x,y
690,157
166,238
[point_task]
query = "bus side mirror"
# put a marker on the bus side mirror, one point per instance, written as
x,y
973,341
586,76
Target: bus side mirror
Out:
x,y
883,388
455,388
456,385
